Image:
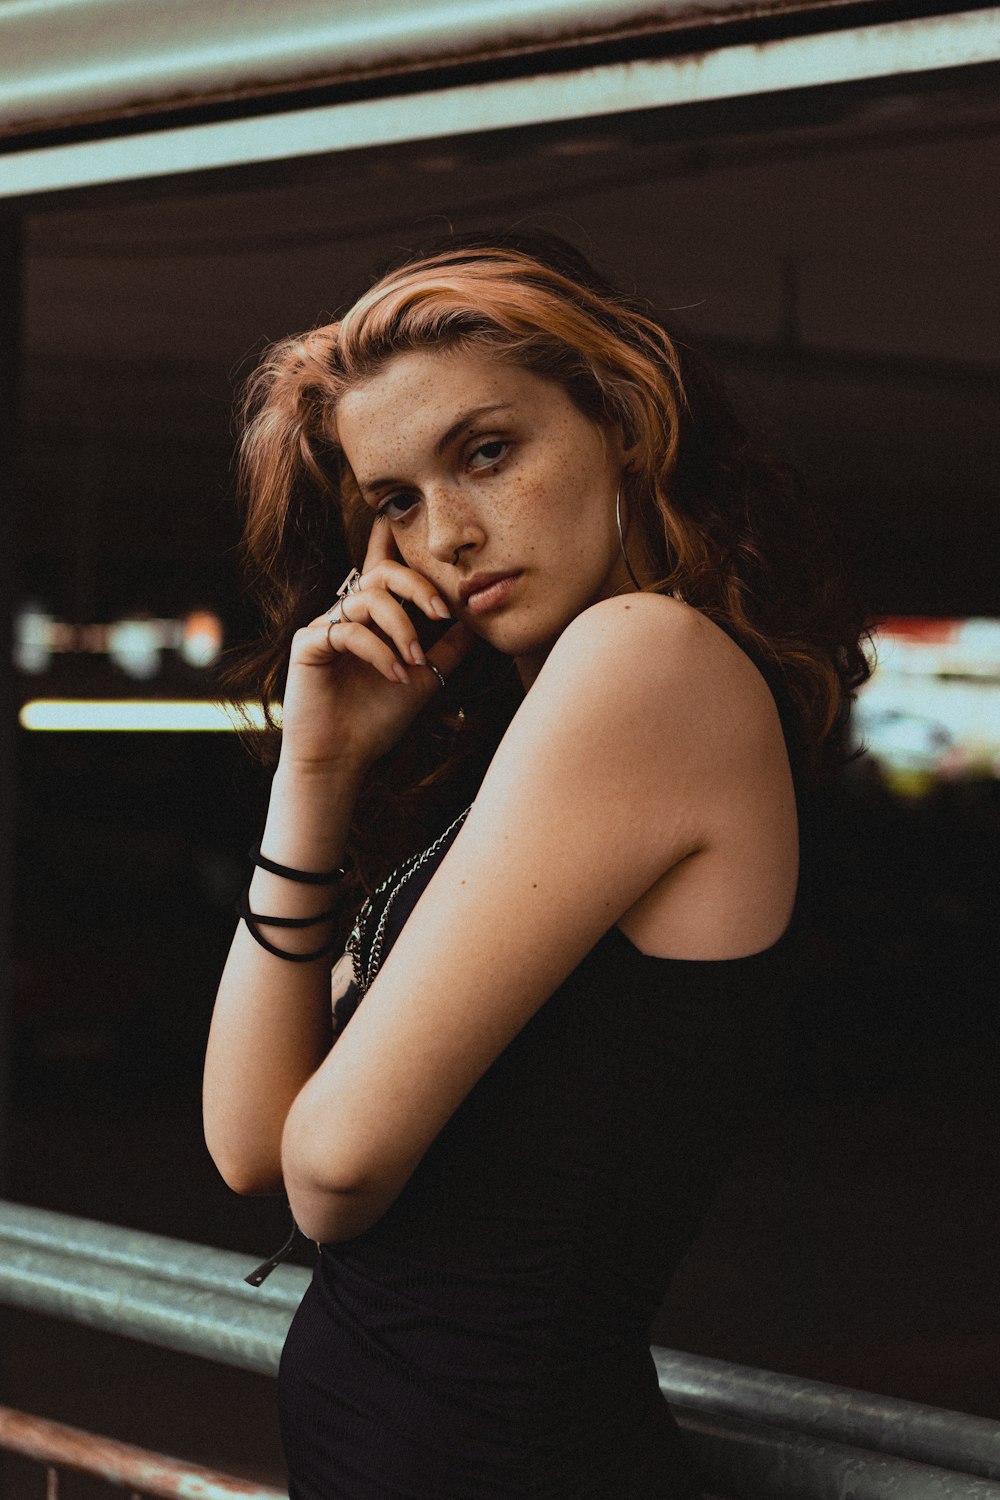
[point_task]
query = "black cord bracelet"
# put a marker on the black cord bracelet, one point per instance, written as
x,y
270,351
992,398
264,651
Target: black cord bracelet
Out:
x,y
243,907
250,920
304,877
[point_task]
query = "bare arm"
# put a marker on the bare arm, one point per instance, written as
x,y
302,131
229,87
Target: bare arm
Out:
x,y
271,1024
343,708
641,723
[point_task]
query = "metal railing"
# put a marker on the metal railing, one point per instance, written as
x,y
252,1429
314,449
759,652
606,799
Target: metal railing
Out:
x,y
159,1291
755,1433
137,1470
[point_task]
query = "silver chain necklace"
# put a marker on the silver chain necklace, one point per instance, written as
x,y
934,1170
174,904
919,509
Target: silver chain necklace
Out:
x,y
364,972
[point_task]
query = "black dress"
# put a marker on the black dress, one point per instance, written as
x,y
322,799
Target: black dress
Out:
x,y
488,1338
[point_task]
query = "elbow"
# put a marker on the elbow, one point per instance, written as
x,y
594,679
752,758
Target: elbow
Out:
x,y
335,1192
249,1183
249,1175
331,1215
327,1207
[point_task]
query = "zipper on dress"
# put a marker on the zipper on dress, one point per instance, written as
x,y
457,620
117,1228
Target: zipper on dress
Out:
x,y
262,1272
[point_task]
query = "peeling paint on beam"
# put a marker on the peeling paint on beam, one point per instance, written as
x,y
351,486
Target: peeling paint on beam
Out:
x,y
121,1464
73,60
78,98
964,39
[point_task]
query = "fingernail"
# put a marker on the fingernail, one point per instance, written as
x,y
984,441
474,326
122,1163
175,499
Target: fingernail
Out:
x,y
416,655
440,608
399,672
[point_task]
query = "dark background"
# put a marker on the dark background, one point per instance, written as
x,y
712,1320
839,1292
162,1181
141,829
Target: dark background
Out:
x,y
835,250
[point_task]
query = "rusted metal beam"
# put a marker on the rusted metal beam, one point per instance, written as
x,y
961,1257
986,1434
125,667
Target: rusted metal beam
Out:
x,y
892,49
69,62
122,1464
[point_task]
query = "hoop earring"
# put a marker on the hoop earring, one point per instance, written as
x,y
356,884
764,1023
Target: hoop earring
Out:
x,y
621,539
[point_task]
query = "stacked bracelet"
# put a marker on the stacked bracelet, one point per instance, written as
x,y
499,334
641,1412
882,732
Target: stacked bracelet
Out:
x,y
301,877
252,918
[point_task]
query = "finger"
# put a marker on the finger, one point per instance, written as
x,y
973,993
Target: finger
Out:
x,y
381,546
406,583
451,650
442,660
346,639
380,609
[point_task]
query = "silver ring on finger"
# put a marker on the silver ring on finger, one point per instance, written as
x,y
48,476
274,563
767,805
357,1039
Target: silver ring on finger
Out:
x,y
350,585
437,672
335,617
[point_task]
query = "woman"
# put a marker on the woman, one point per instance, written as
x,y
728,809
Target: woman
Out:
x,y
552,1021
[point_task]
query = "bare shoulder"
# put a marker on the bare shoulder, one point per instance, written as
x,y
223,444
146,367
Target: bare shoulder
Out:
x,y
654,656
647,709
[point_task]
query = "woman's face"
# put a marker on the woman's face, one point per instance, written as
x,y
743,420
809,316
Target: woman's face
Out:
x,y
484,472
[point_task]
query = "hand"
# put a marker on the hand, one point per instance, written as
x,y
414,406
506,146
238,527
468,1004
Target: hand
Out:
x,y
353,688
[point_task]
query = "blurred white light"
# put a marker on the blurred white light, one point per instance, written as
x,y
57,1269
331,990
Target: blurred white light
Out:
x,y
32,633
919,647
134,645
137,715
932,706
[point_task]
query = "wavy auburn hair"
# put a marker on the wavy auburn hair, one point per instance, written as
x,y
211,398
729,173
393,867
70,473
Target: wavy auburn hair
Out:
x,y
717,520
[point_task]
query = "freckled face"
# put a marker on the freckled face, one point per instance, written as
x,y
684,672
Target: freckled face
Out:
x,y
481,468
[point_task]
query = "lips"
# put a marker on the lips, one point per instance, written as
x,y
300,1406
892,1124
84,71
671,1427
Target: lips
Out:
x,y
485,591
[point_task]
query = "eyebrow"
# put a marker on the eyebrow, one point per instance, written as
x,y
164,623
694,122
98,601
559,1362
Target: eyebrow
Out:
x,y
457,427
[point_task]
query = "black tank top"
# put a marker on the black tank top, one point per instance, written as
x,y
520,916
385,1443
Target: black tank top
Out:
x,y
488,1337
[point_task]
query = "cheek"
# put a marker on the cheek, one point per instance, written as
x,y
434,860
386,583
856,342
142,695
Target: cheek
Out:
x,y
412,551
535,501
407,548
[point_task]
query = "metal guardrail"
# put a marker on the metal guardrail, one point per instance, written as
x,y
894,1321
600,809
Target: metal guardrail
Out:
x,y
746,1461
143,1286
817,1411
758,1435
136,1469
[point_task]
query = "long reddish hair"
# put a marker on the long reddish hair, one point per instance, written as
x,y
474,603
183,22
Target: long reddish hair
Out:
x,y
715,519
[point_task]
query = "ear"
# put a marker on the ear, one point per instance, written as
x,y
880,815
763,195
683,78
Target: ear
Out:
x,y
625,456
631,457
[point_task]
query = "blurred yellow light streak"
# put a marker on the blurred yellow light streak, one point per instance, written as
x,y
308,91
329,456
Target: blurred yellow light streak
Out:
x,y
133,715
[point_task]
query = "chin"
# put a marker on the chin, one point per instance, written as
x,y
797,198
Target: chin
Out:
x,y
517,642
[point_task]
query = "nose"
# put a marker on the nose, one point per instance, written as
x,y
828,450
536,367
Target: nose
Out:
x,y
452,527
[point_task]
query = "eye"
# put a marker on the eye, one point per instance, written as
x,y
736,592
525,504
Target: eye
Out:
x,y
490,453
395,507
